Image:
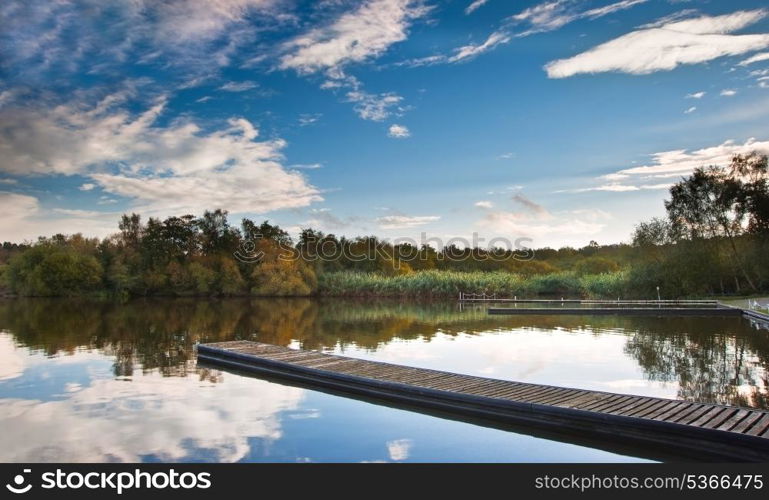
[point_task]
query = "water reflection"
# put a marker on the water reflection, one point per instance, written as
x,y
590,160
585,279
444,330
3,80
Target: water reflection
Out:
x,y
709,359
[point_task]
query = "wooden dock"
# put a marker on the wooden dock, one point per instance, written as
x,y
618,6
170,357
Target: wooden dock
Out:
x,y
705,431
625,311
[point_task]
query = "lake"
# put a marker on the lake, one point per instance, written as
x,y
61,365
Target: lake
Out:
x,y
99,381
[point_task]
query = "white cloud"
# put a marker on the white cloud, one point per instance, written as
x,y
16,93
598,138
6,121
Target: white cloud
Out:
x,y
399,449
196,34
763,56
88,186
309,118
728,92
178,168
404,221
560,226
354,37
185,414
80,213
535,221
398,131
376,107
683,162
16,209
664,47
696,95
238,86
549,16
477,4
8,181
690,110
306,166
484,204
470,51
618,188
611,8
12,362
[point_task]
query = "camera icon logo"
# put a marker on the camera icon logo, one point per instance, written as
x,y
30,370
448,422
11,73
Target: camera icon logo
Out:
x,y
18,483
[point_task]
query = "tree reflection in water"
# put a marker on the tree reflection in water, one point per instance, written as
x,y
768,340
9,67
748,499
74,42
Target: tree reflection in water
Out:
x,y
721,360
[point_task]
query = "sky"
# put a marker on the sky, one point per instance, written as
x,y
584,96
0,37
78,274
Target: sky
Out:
x,y
559,121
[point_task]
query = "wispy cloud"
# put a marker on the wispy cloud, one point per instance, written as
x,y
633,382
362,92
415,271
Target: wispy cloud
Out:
x,y
696,95
665,47
405,221
354,37
469,51
528,204
239,86
398,131
322,218
763,56
690,110
308,118
477,4
550,16
375,107
544,17
192,35
728,92
618,188
670,164
88,186
683,162
484,204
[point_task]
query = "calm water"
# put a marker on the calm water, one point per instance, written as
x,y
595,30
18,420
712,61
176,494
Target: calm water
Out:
x,y
91,381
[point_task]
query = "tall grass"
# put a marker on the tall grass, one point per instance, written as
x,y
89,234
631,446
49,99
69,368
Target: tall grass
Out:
x,y
450,283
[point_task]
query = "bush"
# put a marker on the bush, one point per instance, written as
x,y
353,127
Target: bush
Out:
x,y
50,270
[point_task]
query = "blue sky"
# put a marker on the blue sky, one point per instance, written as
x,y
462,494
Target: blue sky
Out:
x,y
562,121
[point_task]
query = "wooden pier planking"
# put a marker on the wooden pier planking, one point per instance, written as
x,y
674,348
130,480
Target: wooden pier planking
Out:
x,y
714,431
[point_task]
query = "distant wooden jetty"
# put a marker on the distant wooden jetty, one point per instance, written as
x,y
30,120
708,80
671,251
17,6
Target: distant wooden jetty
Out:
x,y
706,431
483,297
626,311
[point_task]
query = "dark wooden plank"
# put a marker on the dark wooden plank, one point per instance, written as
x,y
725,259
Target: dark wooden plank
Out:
x,y
664,410
692,415
733,420
500,390
583,399
540,394
513,392
709,415
671,414
521,391
643,407
602,401
745,423
565,395
493,388
617,403
760,427
722,417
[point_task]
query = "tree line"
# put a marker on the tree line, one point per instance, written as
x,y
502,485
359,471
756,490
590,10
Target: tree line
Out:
x,y
714,240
